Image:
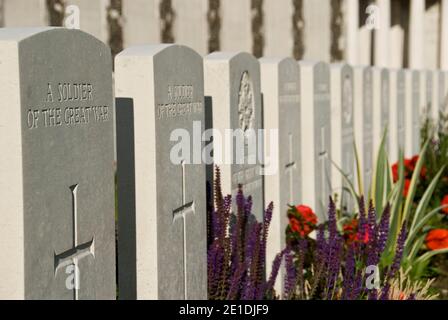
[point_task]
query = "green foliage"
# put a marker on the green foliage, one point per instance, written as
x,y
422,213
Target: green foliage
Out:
x,y
415,202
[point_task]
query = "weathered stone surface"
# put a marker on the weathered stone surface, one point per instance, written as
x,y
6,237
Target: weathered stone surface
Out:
x,y
381,101
342,152
280,86
397,114
162,222
93,17
232,89
363,122
412,112
57,231
25,13
316,136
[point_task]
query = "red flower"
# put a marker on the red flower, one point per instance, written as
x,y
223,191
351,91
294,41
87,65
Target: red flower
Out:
x,y
445,203
409,165
395,172
302,220
423,172
437,239
351,233
407,184
414,161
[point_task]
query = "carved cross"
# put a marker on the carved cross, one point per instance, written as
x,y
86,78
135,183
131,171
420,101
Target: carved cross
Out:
x,y
78,251
290,168
181,213
323,155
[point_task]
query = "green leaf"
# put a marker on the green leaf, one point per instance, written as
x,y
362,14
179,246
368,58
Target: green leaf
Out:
x,y
417,245
414,181
378,183
430,254
351,187
423,204
396,201
414,231
361,191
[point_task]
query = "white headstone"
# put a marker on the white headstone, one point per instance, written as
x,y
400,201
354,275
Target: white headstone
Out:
x,y
443,82
190,25
381,102
425,94
412,112
365,56
435,105
278,21
141,23
431,31
363,122
232,89
317,23
93,17
397,44
236,25
351,19
383,34
397,114
25,13
57,235
342,135
444,35
416,33
162,237
280,86
316,136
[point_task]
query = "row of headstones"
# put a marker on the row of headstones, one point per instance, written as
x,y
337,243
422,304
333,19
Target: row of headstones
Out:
x,y
187,21
57,207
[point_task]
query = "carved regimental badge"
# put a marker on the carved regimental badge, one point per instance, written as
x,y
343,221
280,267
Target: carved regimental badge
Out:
x,y
246,107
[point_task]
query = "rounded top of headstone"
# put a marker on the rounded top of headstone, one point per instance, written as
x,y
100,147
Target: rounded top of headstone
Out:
x,y
228,56
362,66
21,34
319,65
276,60
151,50
310,62
393,70
339,66
378,69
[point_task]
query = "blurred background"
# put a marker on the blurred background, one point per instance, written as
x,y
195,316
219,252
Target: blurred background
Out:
x,y
387,33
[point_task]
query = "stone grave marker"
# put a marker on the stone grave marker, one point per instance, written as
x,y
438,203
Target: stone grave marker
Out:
x,y
412,112
315,136
435,105
443,81
232,89
162,222
235,19
425,94
397,113
363,122
57,235
381,102
25,13
280,86
141,22
93,17
342,134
